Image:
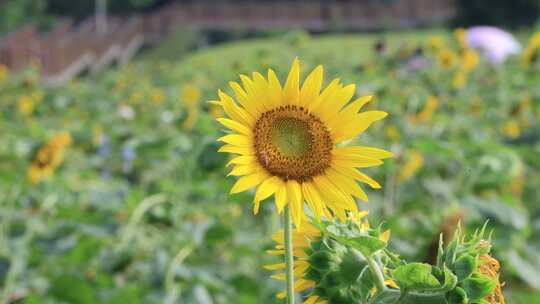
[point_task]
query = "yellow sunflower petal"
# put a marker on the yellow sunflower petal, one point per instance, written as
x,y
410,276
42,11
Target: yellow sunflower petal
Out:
x,y
235,126
270,186
275,93
349,112
333,193
347,184
344,157
357,125
312,86
291,89
237,140
294,193
236,150
248,181
334,103
354,173
311,300
281,198
234,111
243,99
277,266
367,152
242,160
240,170
313,199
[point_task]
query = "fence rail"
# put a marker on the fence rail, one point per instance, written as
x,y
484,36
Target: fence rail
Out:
x,y
67,50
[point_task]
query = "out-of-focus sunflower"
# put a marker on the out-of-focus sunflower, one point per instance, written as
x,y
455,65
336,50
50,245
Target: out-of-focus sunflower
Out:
x,y
435,43
157,96
460,79
26,105
461,36
190,95
426,114
4,72
49,157
286,138
446,58
414,162
531,51
469,59
512,129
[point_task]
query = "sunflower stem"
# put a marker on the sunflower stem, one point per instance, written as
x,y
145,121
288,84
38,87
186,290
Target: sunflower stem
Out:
x,y
289,260
376,271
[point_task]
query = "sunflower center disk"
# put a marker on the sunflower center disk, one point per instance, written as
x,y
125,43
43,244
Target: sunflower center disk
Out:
x,y
292,143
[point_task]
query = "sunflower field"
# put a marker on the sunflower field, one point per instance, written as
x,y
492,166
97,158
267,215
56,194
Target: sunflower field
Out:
x,y
112,189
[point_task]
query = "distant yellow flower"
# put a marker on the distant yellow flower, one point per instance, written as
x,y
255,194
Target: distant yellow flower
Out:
x,y
49,157
532,49
461,36
459,80
4,72
512,129
37,96
190,95
136,97
435,43
414,162
516,185
523,105
476,106
447,58
470,60
97,134
26,105
538,112
392,133
427,112
191,119
287,140
157,96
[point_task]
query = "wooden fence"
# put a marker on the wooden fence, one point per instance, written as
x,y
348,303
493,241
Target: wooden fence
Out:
x,y
68,49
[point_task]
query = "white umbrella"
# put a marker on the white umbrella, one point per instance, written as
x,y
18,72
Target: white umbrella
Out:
x,y
493,43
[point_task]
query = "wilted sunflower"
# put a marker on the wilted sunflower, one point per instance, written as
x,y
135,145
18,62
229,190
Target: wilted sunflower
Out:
x,y
286,140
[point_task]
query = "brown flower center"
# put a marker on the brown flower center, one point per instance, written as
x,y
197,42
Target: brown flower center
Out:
x,y
292,143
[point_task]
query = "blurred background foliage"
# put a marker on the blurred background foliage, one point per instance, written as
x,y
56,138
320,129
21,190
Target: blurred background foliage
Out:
x,y
13,13
139,210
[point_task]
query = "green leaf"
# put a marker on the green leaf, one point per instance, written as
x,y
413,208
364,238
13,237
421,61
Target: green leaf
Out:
x,y
450,280
478,286
464,266
367,245
458,296
392,296
415,276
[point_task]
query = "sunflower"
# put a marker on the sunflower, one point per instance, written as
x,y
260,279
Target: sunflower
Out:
x,y
447,58
320,260
301,241
286,140
49,157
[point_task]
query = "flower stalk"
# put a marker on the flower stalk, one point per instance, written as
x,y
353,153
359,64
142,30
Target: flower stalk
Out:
x,y
289,260
377,273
